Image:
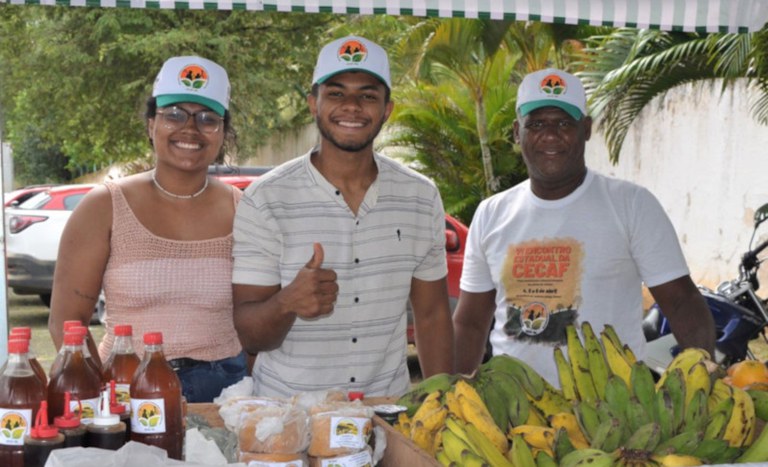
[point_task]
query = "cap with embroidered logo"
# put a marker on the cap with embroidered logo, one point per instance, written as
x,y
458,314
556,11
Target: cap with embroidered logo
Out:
x,y
352,53
551,87
192,79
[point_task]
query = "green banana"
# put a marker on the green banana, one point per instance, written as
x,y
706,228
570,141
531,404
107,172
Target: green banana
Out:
x,y
579,361
760,400
453,445
696,412
637,415
528,378
588,418
674,383
551,401
565,375
684,443
758,451
520,454
617,396
545,460
485,447
665,413
442,458
598,366
645,438
588,457
562,444
644,388
608,435
718,419
495,400
472,459
413,398
716,451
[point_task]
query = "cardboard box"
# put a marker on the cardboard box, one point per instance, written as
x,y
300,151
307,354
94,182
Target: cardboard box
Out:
x,y
400,450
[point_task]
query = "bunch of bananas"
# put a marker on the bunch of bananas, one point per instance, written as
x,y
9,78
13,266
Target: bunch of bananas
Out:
x,y
610,411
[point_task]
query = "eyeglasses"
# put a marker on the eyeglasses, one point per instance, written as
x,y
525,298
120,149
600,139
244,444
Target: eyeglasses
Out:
x,y
175,118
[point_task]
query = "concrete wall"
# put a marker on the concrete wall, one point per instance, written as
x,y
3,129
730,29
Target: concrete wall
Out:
x,y
706,159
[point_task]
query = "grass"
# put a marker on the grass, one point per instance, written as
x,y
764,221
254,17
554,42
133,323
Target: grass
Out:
x,y
28,310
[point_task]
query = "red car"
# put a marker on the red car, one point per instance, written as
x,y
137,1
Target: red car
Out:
x,y
16,197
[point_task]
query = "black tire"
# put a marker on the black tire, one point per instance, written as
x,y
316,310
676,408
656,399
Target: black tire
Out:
x,y
46,299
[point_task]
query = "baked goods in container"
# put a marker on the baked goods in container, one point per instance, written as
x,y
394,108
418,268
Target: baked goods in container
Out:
x,y
259,458
357,459
339,428
274,429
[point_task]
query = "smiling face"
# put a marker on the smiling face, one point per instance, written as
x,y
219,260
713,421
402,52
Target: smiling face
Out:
x,y
350,109
185,147
553,144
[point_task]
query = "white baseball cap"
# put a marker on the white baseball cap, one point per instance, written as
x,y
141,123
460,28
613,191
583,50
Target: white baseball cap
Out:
x,y
551,87
192,79
352,53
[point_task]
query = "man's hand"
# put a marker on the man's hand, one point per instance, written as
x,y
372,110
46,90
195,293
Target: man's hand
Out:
x,y
314,290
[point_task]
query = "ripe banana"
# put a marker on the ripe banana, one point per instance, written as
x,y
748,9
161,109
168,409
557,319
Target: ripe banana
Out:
x,y
485,447
535,417
453,445
741,426
424,438
565,375
539,437
697,378
598,366
684,360
676,460
528,378
578,358
442,458
551,401
452,404
719,418
413,398
617,360
476,413
567,421
428,407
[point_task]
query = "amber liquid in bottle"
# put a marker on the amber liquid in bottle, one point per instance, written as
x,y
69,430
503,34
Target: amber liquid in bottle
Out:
x,y
121,365
77,377
21,392
156,412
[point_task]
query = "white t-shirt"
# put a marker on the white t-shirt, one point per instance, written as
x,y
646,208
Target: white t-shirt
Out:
x,y
583,257
398,234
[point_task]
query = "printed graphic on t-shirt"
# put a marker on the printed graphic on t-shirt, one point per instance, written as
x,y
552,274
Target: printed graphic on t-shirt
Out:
x,y
542,282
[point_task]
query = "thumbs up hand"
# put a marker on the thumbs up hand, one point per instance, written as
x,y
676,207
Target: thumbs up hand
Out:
x,y
313,292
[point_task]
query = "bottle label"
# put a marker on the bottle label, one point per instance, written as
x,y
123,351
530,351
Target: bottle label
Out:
x,y
350,432
358,459
89,407
298,463
14,425
148,415
123,395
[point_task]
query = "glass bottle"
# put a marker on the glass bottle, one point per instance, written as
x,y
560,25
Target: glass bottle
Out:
x,y
41,440
156,412
106,431
21,393
69,425
26,332
77,377
121,364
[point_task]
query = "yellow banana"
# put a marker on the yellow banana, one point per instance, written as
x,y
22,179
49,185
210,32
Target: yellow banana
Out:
x,y
477,414
434,419
403,424
442,458
617,360
535,417
424,438
741,426
452,404
598,367
568,421
464,388
484,447
520,453
758,451
676,460
472,459
631,357
453,445
551,402
431,402
538,437
684,360
578,358
565,375
720,392
697,378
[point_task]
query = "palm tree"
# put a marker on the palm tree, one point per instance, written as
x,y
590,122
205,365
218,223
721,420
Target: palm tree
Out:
x,y
625,69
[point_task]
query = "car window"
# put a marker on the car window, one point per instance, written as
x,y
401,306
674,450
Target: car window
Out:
x,y
36,202
71,201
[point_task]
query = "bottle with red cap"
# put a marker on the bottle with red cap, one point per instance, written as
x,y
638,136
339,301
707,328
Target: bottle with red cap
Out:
x,y
41,440
106,431
78,378
96,365
121,364
56,365
26,332
69,424
21,393
156,408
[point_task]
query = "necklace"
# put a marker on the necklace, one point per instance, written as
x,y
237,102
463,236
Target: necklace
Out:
x,y
173,195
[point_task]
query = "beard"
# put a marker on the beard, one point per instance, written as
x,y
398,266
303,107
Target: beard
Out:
x,y
349,146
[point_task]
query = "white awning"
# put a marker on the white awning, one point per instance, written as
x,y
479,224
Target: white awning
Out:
x,y
734,16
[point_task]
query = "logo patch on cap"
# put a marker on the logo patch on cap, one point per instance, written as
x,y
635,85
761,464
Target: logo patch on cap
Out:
x,y
553,85
352,51
193,77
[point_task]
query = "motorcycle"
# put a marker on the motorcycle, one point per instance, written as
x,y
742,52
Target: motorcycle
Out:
x,y
740,315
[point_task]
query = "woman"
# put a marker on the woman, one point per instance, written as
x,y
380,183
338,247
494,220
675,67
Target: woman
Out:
x,y
160,242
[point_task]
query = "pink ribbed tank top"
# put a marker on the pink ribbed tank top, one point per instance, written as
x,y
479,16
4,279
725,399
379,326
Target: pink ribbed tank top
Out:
x,y
180,288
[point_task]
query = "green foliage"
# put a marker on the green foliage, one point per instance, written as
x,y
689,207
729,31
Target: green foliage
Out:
x,y
81,76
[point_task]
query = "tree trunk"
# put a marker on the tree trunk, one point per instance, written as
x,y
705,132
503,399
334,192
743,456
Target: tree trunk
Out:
x,y
491,182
